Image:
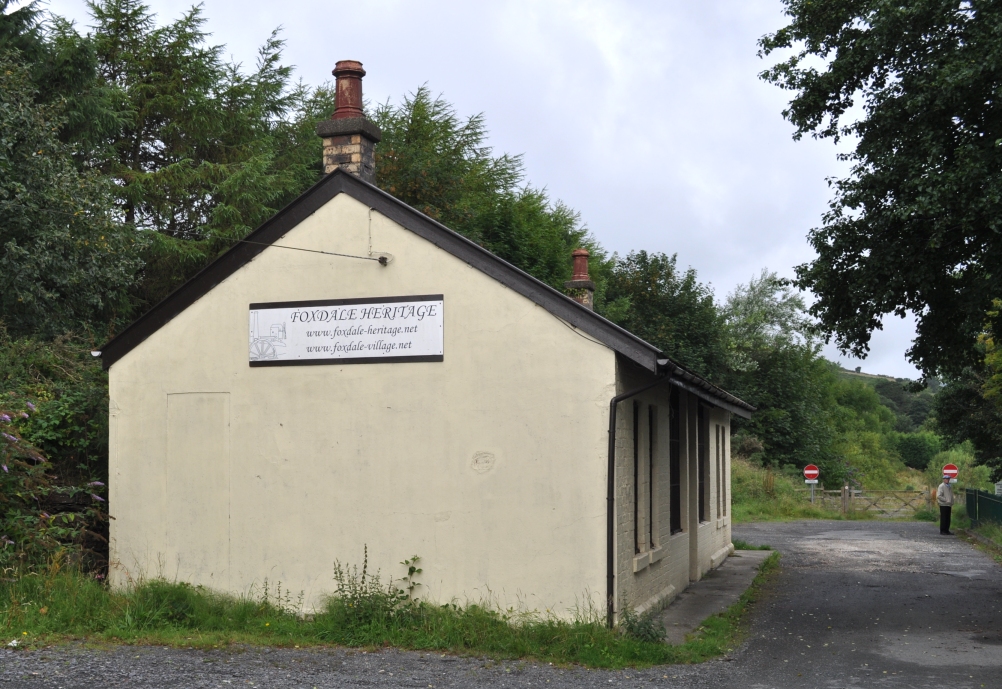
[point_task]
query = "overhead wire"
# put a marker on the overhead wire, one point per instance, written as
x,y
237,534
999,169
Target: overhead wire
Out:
x,y
382,260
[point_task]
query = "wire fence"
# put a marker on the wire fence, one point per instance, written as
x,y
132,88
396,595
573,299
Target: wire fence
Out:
x,y
983,506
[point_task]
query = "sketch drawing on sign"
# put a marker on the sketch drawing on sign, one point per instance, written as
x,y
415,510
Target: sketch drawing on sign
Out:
x,y
263,348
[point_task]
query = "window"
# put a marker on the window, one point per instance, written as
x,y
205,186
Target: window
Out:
x,y
674,462
636,476
702,457
724,430
718,438
652,426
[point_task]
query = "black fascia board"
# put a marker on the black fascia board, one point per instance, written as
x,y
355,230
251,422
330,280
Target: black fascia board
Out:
x,y
313,199
338,182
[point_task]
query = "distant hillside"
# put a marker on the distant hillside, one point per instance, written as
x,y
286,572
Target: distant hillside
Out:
x,y
911,408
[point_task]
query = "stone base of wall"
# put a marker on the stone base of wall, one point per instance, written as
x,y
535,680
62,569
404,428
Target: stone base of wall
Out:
x,y
718,557
658,601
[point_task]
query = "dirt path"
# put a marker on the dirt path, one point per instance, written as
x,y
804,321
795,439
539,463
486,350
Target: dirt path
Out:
x,y
858,604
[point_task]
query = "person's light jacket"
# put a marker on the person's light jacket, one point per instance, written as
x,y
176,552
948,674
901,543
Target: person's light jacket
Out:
x,y
944,495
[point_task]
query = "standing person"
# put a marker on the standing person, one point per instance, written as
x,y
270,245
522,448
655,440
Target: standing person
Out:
x,y
944,497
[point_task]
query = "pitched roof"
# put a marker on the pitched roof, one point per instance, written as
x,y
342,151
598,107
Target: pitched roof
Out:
x,y
338,182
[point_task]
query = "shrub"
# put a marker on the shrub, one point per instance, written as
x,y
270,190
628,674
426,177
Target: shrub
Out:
x,y
918,449
53,453
647,627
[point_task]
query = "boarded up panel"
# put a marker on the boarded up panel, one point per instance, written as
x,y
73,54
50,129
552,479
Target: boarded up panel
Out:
x,y
198,488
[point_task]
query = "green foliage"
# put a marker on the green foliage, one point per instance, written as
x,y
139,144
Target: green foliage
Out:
x,y
911,407
55,423
64,260
775,366
189,148
20,30
915,226
991,531
970,475
765,495
70,394
864,426
918,449
31,535
646,627
61,602
440,164
648,295
741,544
964,414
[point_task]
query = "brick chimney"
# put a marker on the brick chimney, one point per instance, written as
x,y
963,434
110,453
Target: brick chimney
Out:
x,y
349,137
579,287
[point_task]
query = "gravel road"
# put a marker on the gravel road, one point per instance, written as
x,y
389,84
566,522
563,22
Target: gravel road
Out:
x,y
857,604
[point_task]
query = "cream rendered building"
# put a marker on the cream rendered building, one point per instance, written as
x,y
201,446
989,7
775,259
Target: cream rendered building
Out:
x,y
241,451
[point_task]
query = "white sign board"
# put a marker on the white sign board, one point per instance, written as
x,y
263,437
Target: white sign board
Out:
x,y
347,331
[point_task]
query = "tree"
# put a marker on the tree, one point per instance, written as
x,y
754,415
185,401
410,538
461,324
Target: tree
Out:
x,y
915,227
774,364
649,296
200,152
963,413
440,164
65,262
63,67
20,31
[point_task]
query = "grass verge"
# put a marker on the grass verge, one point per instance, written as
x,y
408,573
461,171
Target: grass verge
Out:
x,y
63,605
741,544
762,495
987,538
990,531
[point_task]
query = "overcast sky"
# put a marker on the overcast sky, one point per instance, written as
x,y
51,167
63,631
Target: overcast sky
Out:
x,y
646,117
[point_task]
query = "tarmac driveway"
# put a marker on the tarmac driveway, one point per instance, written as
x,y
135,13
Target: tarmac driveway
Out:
x,y
873,604
857,604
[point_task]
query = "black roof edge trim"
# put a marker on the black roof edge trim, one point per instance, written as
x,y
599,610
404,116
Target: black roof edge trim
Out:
x,y
221,268
338,182
709,392
554,301
560,305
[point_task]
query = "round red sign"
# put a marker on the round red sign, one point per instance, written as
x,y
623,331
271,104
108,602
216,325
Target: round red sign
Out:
x,y
811,472
950,470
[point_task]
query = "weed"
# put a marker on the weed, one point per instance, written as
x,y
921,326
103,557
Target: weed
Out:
x,y
646,627
63,603
740,544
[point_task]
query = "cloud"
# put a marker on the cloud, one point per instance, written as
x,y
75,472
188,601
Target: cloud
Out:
x,y
647,117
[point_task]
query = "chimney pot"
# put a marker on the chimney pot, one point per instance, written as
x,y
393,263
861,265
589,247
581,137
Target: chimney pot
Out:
x,y
580,264
348,89
580,288
349,137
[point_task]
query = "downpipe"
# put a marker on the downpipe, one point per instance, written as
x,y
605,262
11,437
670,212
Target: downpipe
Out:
x,y
610,528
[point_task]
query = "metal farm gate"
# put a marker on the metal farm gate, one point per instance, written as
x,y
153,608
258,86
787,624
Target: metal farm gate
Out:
x,y
880,503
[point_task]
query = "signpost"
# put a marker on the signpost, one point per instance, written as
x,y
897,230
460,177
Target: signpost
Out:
x,y
811,473
951,471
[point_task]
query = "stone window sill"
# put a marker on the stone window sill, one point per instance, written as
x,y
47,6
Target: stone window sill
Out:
x,y
647,558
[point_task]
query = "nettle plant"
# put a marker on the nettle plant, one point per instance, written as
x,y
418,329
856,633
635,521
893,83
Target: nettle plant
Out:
x,y
39,518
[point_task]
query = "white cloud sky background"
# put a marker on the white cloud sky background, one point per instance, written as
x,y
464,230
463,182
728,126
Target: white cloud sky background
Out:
x,y
647,117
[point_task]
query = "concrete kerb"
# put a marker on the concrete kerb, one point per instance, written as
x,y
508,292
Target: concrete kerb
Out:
x,y
719,589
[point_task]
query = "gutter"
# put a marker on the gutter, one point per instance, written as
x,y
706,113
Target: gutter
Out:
x,y
610,564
